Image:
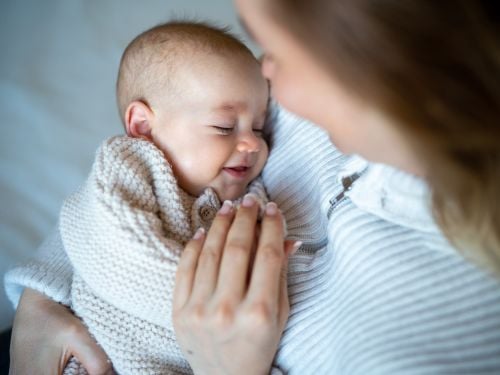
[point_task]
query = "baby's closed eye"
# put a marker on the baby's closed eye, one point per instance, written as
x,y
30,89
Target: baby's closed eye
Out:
x,y
224,129
258,131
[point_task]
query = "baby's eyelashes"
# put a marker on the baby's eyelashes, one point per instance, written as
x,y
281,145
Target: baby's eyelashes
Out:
x,y
228,130
258,132
223,130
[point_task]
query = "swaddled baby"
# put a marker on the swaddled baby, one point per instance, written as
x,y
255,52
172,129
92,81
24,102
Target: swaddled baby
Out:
x,y
193,103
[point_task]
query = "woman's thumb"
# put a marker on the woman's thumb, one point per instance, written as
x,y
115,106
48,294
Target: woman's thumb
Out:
x,y
90,355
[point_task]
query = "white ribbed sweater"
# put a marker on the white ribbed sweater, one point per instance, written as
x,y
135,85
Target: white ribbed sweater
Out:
x,y
375,289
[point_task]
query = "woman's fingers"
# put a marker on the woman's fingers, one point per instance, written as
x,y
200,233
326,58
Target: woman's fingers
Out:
x,y
284,308
207,270
186,270
232,282
266,277
220,262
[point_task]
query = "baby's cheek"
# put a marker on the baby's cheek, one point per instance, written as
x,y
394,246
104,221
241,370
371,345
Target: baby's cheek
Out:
x,y
191,175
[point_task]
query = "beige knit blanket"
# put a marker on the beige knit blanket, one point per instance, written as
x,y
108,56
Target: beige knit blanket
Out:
x,y
124,232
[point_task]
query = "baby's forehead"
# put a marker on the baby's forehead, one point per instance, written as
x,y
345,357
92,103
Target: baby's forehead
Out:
x,y
182,59
177,40
153,60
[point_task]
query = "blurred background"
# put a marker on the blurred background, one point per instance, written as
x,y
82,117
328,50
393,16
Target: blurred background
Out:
x,y
58,64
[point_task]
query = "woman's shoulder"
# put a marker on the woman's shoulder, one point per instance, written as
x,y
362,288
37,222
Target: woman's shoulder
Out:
x,y
396,196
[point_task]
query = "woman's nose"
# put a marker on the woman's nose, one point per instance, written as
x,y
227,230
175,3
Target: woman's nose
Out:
x,y
267,66
248,142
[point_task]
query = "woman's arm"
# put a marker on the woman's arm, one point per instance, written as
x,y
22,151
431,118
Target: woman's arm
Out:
x,y
46,334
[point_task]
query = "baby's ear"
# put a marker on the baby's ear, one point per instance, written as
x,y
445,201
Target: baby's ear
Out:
x,y
138,120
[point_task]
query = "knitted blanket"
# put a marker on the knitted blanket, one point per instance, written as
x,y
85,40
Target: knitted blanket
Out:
x,y
124,232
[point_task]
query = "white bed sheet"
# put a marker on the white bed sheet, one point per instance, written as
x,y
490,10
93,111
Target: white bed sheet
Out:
x,y
58,66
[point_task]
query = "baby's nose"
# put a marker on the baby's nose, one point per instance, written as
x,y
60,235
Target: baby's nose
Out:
x,y
248,143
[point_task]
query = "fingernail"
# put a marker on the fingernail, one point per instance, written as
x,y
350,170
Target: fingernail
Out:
x,y
226,208
271,208
295,247
199,233
248,200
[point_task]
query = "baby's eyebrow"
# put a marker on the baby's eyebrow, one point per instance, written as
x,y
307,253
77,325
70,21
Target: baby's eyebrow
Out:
x,y
230,106
234,107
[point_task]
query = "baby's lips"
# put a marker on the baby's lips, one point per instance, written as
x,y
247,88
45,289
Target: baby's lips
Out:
x,y
238,169
239,166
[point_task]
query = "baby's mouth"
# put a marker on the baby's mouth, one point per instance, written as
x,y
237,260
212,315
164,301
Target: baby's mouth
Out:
x,y
238,172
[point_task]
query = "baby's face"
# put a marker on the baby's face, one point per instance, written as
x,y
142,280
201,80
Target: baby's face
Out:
x,y
212,131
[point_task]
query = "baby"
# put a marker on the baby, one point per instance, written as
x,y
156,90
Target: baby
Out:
x,y
193,103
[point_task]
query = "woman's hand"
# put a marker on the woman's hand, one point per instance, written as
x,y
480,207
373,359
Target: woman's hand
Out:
x,y
46,334
229,312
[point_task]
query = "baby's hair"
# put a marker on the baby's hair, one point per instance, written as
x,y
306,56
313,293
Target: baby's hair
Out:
x,y
150,60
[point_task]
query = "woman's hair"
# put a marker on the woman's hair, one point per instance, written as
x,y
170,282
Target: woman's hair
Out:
x,y
434,67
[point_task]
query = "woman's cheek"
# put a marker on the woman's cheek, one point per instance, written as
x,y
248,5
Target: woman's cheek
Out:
x,y
288,96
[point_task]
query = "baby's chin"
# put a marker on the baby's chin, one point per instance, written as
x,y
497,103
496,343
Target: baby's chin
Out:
x,y
229,194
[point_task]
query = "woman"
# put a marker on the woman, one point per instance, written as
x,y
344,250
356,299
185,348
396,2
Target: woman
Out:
x,y
376,288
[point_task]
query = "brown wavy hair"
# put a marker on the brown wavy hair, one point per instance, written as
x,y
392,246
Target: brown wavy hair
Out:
x,y
434,67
